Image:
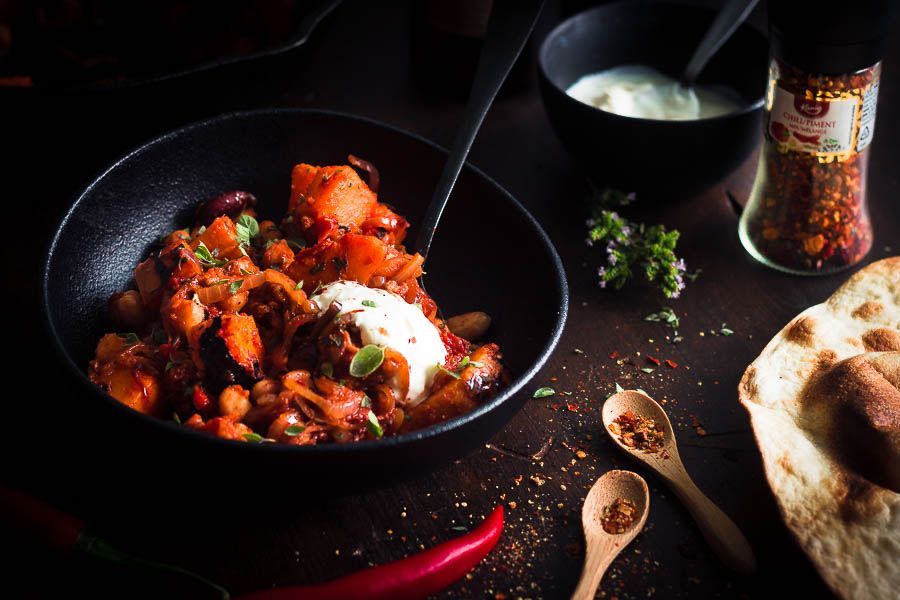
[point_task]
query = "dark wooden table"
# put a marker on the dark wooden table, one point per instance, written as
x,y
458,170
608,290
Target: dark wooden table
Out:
x,y
359,62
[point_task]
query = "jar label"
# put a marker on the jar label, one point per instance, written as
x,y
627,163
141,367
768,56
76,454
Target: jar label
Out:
x,y
817,126
867,118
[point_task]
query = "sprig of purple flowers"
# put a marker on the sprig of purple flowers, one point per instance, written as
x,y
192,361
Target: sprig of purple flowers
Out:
x,y
633,246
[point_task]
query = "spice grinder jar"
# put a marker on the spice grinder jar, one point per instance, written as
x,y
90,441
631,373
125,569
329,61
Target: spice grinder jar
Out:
x,y
807,211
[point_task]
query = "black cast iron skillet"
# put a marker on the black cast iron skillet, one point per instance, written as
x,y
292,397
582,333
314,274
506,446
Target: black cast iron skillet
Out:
x,y
309,15
489,254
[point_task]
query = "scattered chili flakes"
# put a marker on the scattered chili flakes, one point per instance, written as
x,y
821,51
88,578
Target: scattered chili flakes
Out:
x,y
671,363
538,480
613,355
653,359
698,426
619,516
636,431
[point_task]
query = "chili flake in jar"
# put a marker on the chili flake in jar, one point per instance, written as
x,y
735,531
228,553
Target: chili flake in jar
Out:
x,y
636,431
619,516
807,212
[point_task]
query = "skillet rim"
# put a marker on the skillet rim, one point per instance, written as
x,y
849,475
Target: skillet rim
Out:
x,y
369,446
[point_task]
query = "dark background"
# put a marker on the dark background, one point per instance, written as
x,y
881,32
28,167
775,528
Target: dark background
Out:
x,y
359,61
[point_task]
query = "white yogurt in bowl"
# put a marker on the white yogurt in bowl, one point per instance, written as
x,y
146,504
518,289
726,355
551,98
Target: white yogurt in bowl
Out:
x,y
645,93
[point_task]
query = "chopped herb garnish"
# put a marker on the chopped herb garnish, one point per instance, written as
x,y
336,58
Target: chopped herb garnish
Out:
x,y
247,229
374,426
176,418
368,303
294,244
245,272
327,369
665,315
169,365
543,392
235,286
129,338
294,430
444,369
466,361
254,438
648,369
366,402
299,285
366,360
207,258
725,330
619,388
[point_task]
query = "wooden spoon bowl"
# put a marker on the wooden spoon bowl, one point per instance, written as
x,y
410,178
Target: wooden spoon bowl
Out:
x,y
720,531
602,547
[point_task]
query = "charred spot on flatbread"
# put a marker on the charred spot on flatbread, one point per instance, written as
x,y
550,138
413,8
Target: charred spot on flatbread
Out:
x,y
785,462
825,358
747,386
802,331
857,498
868,310
853,410
881,340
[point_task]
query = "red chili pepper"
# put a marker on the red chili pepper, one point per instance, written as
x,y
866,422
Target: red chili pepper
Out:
x,y
52,527
672,364
613,355
654,360
67,534
411,578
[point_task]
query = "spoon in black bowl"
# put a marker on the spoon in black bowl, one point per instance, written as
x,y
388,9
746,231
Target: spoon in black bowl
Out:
x,y
509,27
723,26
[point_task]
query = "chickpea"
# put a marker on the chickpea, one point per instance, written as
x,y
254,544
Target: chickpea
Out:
x,y
234,401
470,326
127,310
265,387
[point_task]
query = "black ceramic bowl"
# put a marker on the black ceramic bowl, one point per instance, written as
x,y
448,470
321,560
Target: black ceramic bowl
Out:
x,y
646,155
489,254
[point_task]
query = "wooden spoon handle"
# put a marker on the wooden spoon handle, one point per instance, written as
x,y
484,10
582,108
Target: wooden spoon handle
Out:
x,y
720,531
598,556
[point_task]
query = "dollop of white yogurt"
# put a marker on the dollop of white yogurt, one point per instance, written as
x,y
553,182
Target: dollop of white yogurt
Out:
x,y
387,320
643,92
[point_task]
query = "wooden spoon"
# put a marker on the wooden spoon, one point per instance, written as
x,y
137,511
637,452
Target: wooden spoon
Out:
x,y
720,532
602,547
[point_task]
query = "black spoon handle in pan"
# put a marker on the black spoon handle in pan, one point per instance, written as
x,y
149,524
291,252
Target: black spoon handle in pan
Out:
x,y
509,27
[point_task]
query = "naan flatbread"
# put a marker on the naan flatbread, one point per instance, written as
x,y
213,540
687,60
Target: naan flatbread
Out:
x,y
825,409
